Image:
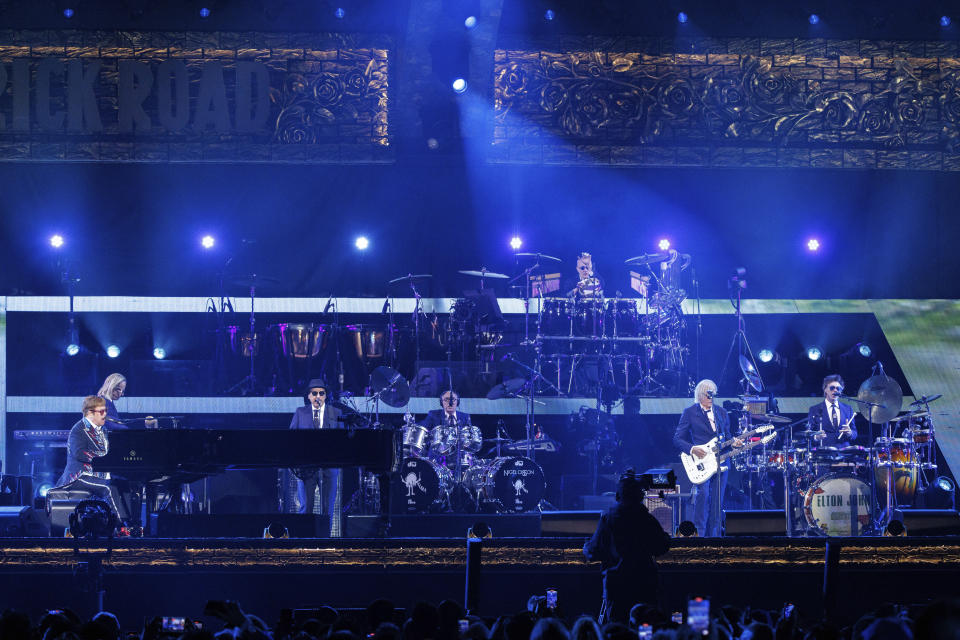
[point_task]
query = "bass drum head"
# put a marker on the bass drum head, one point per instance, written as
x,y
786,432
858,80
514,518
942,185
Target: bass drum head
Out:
x,y
420,484
517,484
838,505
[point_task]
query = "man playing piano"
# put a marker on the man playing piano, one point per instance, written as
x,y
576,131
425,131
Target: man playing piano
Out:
x,y
88,440
317,414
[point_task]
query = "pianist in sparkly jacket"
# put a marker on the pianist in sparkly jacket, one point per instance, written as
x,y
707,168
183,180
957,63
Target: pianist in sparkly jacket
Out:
x,y
88,440
319,414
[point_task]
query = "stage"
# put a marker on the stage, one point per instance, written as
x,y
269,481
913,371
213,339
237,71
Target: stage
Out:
x,y
164,576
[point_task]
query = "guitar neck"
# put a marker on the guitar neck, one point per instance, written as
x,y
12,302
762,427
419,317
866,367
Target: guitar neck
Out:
x,y
746,447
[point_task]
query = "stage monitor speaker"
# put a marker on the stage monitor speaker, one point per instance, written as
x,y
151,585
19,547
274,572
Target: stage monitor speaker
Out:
x,y
760,522
23,522
568,523
930,522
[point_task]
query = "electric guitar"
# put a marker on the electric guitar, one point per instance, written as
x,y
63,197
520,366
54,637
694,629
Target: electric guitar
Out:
x,y
699,470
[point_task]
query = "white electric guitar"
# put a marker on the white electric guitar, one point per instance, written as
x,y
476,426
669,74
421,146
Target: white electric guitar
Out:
x,y
699,470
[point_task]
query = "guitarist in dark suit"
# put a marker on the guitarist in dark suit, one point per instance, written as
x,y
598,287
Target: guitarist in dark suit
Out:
x,y
832,416
700,423
318,414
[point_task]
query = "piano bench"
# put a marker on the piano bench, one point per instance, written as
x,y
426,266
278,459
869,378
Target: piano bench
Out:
x,y
61,503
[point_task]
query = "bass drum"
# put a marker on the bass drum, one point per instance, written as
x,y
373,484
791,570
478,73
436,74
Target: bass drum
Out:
x,y
420,485
514,485
838,505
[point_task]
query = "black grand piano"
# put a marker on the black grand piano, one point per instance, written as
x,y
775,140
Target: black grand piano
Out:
x,y
156,457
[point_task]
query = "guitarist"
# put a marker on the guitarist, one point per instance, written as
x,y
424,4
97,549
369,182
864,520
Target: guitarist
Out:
x,y
700,423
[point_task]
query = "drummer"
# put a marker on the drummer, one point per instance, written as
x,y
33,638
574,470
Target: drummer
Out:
x,y
588,285
448,414
832,417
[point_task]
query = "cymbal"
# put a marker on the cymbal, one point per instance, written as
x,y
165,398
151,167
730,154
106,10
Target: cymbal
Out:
x,y
498,439
483,273
253,280
880,389
774,419
538,256
506,389
907,416
812,433
393,388
411,277
750,373
647,258
925,400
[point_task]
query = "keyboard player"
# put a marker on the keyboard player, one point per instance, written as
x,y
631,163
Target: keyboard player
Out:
x,y
88,440
319,414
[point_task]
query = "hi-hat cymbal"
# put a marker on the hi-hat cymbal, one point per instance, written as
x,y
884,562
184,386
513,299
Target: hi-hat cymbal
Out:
x,y
483,273
647,258
393,388
411,277
538,256
925,400
908,416
506,389
812,433
774,419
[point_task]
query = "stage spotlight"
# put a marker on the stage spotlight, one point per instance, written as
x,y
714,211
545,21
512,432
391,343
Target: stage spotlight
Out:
x,y
339,13
43,488
664,244
276,530
813,245
433,144
68,13
945,21
459,85
479,530
113,351
814,353
56,241
73,349
93,519
470,22
813,19
361,243
207,242
895,529
765,355
682,18
204,12
159,353
516,243
549,15
687,530
864,349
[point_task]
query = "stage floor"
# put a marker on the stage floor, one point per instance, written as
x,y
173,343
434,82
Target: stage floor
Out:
x,y
163,576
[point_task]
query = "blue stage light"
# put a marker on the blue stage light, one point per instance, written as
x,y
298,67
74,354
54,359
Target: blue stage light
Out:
x,y
204,12
682,18
470,22
945,21
664,244
339,13
361,243
159,353
68,13
56,241
207,242
516,242
864,350
765,355
43,488
813,245
813,19
549,15
73,349
814,353
459,85
113,351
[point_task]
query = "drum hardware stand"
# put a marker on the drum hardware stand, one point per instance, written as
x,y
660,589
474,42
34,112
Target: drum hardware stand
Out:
x,y
884,519
740,336
416,329
248,385
534,373
391,343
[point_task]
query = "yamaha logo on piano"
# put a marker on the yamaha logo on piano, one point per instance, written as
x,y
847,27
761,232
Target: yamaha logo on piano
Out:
x,y
132,457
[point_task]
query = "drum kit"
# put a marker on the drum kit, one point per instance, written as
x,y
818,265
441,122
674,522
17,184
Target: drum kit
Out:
x,y
442,471
848,490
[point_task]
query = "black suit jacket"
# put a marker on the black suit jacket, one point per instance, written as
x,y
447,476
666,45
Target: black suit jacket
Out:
x,y
437,417
694,427
303,417
819,416
83,445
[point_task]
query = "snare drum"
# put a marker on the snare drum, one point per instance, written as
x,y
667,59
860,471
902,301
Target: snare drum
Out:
x,y
855,457
421,484
415,439
838,505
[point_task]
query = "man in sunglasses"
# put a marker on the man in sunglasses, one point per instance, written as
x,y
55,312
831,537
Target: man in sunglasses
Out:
x,y
833,417
318,414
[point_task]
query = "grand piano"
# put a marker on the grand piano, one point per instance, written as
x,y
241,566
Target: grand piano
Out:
x,y
155,458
